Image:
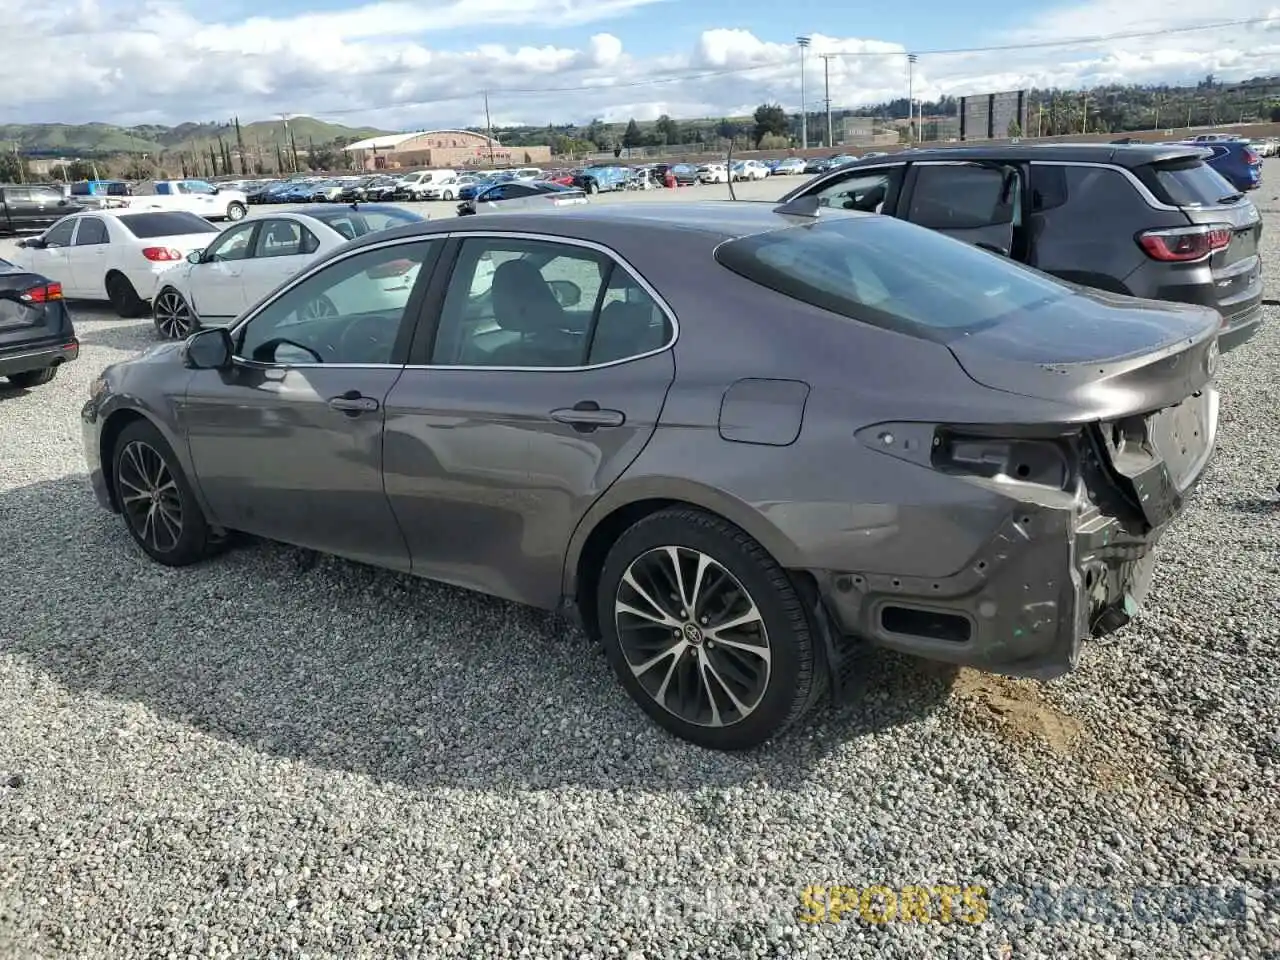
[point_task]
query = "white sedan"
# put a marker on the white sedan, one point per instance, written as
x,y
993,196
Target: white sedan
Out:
x,y
750,170
114,254
246,262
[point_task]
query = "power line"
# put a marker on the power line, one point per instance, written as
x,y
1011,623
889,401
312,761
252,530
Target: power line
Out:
x,y
686,77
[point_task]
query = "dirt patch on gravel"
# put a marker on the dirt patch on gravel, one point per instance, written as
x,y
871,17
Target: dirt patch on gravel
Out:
x,y
1018,709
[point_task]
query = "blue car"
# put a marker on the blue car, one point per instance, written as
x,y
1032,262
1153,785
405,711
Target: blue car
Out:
x,y
1236,160
469,191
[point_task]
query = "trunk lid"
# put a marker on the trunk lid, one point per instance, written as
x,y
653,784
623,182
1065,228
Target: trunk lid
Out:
x,y
30,320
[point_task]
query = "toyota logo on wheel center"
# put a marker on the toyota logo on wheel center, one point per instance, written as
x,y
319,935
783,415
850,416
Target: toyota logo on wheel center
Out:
x,y
692,634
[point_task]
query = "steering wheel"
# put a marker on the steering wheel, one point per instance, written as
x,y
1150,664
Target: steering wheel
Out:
x,y
364,335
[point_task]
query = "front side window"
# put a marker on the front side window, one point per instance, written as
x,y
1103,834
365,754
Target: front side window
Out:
x,y
865,191
197,186
350,311
232,245
284,238
889,273
357,223
59,234
92,232
962,197
540,304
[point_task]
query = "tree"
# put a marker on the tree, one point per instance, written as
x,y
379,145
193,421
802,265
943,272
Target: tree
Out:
x,y
632,137
666,130
80,170
728,129
1015,129
244,160
13,168
279,159
771,120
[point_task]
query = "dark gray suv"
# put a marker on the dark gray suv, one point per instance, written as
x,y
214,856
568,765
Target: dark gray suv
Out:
x,y
1148,220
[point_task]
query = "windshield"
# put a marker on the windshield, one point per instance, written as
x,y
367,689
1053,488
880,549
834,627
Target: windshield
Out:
x,y
887,272
145,226
356,223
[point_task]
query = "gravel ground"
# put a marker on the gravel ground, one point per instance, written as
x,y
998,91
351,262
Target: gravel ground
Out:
x,y
265,757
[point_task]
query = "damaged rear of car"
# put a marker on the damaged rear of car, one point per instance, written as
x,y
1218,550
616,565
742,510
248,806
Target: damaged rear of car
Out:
x,y
1000,518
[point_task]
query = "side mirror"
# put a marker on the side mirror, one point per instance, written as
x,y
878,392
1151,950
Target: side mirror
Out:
x,y
194,256
208,349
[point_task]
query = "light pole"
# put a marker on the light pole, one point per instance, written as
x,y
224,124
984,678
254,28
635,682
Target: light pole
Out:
x,y
911,102
804,110
826,93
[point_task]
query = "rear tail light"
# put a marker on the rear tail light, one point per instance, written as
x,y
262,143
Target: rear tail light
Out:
x,y
1251,158
161,254
1043,462
42,294
1185,244
395,268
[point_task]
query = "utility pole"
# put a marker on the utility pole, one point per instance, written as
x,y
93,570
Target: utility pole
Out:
x,y
804,110
911,109
293,167
1040,123
1084,120
488,128
826,91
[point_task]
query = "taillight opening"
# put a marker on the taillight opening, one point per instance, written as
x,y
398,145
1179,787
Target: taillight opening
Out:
x,y
1042,462
1251,158
1185,244
161,254
45,293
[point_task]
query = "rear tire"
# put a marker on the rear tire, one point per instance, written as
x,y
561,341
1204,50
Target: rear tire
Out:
x,y
236,211
764,647
124,299
33,378
159,508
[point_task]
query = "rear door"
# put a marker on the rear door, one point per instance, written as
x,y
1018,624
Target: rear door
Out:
x,y
541,383
977,202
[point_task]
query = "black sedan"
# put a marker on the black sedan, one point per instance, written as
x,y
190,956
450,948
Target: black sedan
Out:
x,y
36,333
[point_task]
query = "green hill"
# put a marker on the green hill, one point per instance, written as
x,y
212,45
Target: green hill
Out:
x,y
103,139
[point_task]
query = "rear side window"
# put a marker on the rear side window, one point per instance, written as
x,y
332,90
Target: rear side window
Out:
x,y
1048,186
144,226
883,271
1188,183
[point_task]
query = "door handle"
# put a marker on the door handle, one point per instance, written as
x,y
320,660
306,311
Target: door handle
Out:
x,y
586,415
353,403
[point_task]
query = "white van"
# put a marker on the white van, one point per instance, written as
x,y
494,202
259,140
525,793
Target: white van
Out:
x,y
415,185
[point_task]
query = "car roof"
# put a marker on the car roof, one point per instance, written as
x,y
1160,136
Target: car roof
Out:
x,y
1128,155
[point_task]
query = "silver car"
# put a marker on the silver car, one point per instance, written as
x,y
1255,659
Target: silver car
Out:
x,y
734,440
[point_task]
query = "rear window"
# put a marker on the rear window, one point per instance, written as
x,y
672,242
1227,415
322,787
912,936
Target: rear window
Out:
x,y
890,273
144,226
351,223
1190,183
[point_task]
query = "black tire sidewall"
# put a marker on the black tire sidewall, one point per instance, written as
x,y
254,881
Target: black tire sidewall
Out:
x,y
33,378
792,644
193,544
128,305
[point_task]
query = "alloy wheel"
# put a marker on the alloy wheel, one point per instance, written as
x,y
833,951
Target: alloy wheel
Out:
x,y
150,497
692,636
321,308
173,316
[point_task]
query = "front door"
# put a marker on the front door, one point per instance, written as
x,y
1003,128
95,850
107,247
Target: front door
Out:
x,y
51,259
216,282
280,251
288,443
544,381
978,203
87,258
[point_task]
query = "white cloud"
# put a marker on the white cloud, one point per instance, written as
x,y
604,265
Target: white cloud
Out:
x,y
390,63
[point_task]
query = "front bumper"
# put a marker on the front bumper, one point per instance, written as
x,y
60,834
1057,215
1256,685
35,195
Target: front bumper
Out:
x,y
91,437
1240,328
26,359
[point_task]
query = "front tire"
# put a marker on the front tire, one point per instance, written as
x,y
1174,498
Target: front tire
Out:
x,y
173,316
448,195
236,211
160,510
33,378
592,187
706,631
124,299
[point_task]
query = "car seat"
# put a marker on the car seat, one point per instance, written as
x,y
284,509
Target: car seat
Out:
x,y
525,304
626,330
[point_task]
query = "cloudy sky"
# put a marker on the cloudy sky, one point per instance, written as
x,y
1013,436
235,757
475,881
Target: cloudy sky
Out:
x,y
412,64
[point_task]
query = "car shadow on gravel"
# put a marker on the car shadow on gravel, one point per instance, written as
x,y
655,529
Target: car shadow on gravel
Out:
x,y
129,336
350,668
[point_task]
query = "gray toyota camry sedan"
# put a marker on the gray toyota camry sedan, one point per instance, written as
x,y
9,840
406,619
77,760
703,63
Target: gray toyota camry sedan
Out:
x,y
735,439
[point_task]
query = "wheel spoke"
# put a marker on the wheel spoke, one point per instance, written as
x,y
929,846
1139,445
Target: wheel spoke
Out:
x,y
709,668
662,617
716,632
150,497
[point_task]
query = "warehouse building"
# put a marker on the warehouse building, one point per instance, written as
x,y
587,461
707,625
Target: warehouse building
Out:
x,y
441,149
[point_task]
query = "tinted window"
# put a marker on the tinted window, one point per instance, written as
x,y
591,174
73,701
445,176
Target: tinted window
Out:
x,y
45,194
145,226
232,245
865,190
17,194
284,238
525,303
883,271
960,198
1048,186
59,235
350,311
1191,183
92,232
